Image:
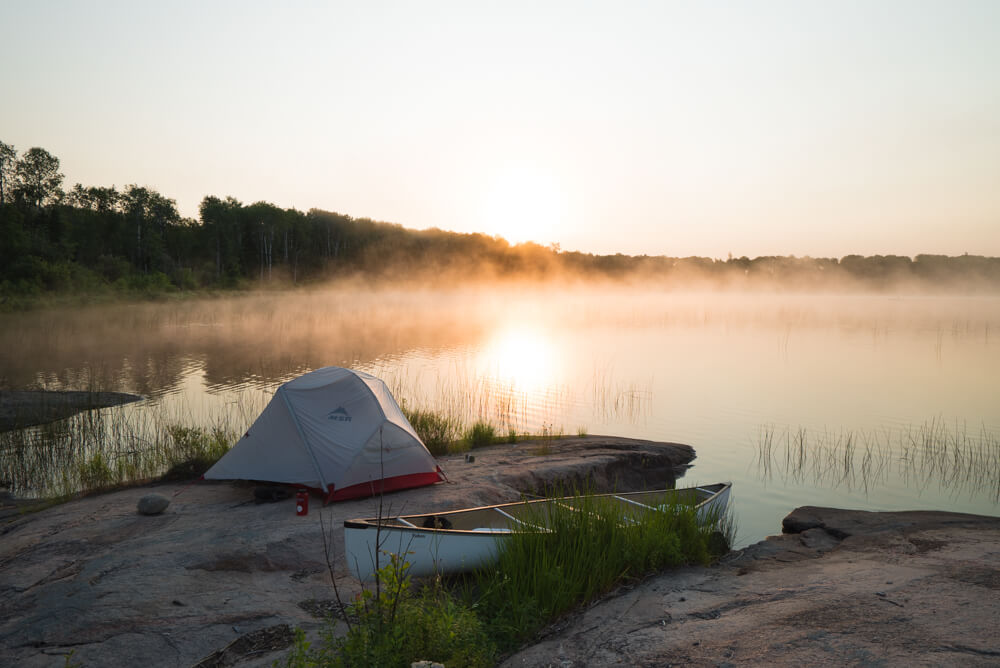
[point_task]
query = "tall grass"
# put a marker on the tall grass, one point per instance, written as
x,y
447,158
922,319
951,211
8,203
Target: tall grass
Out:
x,y
119,445
951,458
436,430
398,624
106,448
466,396
593,546
480,435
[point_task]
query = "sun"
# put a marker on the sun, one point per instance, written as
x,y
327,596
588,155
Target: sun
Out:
x,y
523,203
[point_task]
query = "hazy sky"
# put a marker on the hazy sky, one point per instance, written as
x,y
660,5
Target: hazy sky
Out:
x,y
696,128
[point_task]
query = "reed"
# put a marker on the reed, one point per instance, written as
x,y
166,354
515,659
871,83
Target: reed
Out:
x,y
102,449
466,396
593,547
436,430
933,454
106,448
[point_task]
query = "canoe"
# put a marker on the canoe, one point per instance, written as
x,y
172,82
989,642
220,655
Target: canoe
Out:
x,y
467,539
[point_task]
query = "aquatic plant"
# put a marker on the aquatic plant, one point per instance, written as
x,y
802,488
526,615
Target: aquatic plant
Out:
x,y
931,454
105,448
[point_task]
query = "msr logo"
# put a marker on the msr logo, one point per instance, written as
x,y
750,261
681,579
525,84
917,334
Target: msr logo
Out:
x,y
340,415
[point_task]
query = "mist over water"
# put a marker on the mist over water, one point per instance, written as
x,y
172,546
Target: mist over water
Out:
x,y
721,371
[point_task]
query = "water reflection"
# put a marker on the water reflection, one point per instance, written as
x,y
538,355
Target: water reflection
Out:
x,y
520,356
705,369
931,457
258,340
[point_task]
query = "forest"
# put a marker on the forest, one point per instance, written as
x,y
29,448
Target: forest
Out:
x,y
92,240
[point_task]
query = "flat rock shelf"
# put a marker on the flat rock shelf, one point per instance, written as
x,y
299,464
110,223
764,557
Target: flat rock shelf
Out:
x,y
95,577
217,579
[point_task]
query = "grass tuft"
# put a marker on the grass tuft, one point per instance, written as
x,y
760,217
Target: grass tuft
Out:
x,y
594,545
480,435
436,430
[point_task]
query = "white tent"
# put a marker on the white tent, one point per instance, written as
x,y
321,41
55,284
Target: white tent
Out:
x,y
333,429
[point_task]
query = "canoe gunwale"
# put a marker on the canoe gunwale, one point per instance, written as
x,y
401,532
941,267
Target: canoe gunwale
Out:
x,y
375,523
434,550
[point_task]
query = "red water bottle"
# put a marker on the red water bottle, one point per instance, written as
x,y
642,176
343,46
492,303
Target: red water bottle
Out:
x,y
302,502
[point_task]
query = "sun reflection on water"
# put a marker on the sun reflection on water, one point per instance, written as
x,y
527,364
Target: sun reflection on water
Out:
x,y
521,357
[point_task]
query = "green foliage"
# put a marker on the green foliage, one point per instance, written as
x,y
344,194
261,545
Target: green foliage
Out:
x,y
95,473
512,435
545,440
134,241
153,283
437,431
36,177
303,655
393,626
441,628
194,450
593,546
480,435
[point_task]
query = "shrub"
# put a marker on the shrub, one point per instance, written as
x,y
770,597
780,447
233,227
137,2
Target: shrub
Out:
x,y
194,450
95,473
480,434
594,545
394,627
434,429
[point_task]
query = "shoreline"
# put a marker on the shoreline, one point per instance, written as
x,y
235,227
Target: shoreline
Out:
x,y
839,587
94,577
28,408
219,580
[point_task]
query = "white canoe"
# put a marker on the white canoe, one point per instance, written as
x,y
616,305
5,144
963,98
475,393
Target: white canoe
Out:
x,y
463,540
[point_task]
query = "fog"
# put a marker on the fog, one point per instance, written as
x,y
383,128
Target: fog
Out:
x,y
262,338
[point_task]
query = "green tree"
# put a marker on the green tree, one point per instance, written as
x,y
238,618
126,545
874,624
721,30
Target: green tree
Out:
x,y
95,198
37,178
220,220
150,213
8,160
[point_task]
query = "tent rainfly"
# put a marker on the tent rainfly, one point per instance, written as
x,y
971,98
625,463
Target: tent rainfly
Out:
x,y
334,429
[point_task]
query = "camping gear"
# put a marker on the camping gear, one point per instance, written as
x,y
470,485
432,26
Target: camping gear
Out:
x,y
336,430
302,502
463,540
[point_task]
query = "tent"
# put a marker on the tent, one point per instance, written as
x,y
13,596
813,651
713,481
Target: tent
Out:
x,y
336,430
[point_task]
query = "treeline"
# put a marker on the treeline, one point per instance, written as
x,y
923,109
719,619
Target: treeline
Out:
x,y
94,239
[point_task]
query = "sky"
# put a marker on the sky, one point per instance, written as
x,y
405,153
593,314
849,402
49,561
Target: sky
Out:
x,y
662,128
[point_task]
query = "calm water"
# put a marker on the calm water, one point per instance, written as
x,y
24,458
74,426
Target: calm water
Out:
x,y
865,380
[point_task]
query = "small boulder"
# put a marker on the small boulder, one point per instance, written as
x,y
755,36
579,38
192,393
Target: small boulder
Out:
x,y
153,504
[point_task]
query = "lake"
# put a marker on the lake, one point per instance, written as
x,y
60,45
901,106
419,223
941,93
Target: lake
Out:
x,y
860,401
